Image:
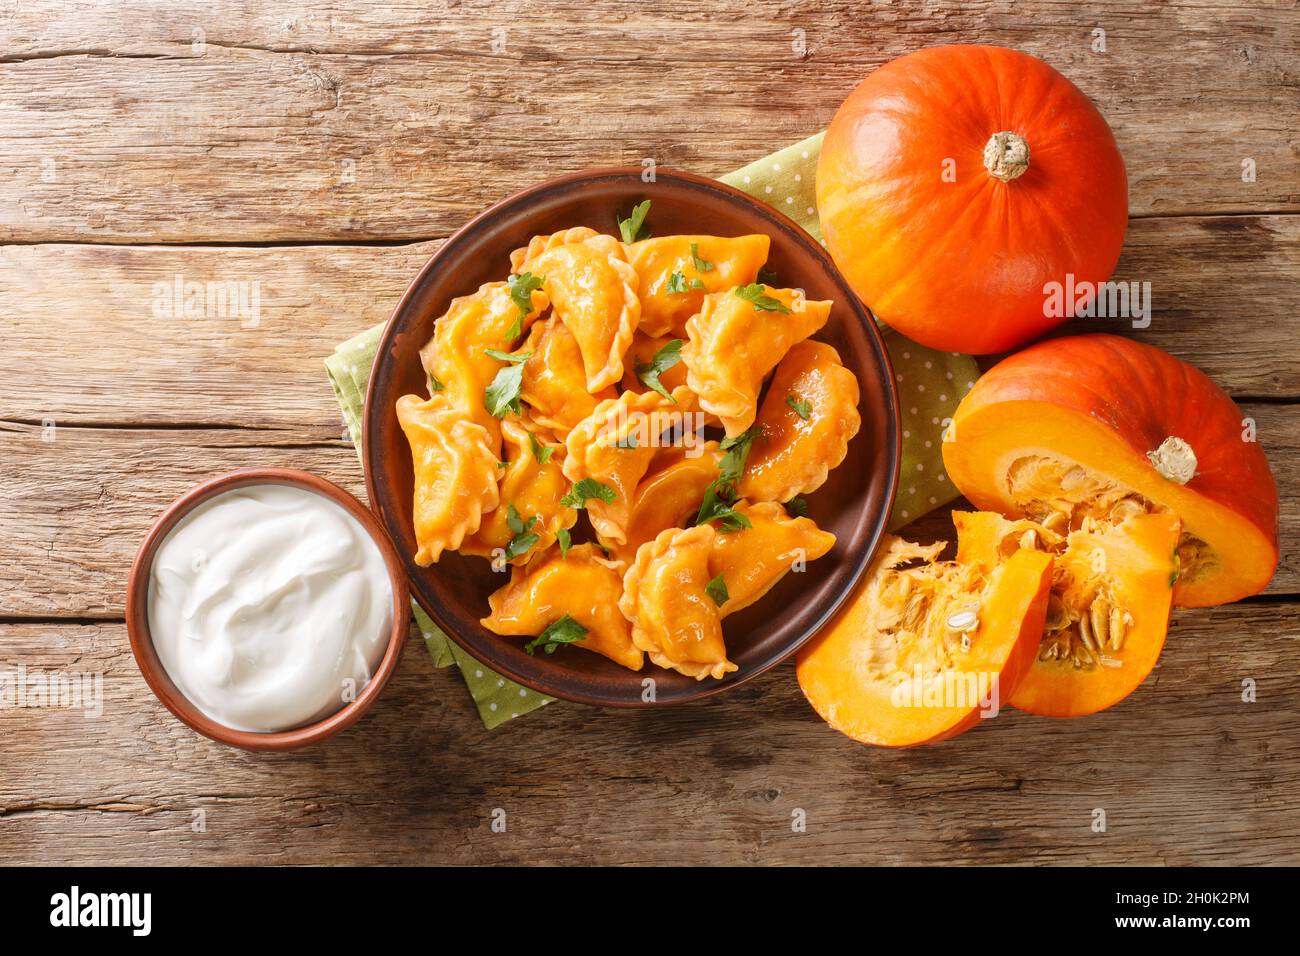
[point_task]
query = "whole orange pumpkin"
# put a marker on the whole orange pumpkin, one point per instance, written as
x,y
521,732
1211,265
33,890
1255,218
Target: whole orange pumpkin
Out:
x,y
956,183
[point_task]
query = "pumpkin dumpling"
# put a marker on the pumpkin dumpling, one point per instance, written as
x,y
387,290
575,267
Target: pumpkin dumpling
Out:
x,y
1108,611
457,358
751,560
677,272
923,648
554,383
737,338
455,473
583,586
667,598
808,417
610,451
521,260
669,495
531,511
592,290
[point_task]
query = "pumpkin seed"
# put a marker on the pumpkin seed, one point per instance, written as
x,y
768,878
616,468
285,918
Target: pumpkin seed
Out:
x,y
1056,522
1073,478
1029,540
963,620
1057,617
1126,508
1085,634
1099,618
1119,622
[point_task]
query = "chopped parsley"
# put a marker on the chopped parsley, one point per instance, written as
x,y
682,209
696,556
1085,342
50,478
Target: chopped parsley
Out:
x,y
701,265
502,394
541,452
717,589
524,536
797,507
564,631
588,488
756,294
663,360
720,496
435,384
633,228
565,541
801,408
522,288
678,283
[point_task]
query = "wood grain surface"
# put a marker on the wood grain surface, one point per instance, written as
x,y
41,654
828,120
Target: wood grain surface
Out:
x,y
323,154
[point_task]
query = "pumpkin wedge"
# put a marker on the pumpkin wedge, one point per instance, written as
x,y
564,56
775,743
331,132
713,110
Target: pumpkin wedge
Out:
x,y
922,651
1108,610
1101,427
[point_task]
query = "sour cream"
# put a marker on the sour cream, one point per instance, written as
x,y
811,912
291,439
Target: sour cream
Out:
x,y
270,607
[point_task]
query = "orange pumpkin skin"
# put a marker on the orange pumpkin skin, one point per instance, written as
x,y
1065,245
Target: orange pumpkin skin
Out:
x,y
937,245
1105,402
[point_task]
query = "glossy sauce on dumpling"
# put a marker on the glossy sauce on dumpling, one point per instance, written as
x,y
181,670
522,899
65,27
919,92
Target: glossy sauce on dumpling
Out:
x,y
809,416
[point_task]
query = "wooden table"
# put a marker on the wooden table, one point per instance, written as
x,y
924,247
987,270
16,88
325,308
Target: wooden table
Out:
x,y
323,151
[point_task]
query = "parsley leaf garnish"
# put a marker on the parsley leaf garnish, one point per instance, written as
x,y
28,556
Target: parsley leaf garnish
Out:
x,y
797,507
663,360
701,265
522,288
801,408
737,450
588,488
633,227
524,536
565,541
502,394
678,283
755,293
717,589
768,277
721,494
541,452
716,507
564,631
435,384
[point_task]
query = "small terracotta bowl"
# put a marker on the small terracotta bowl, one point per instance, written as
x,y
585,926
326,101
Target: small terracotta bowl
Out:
x,y
854,503
155,674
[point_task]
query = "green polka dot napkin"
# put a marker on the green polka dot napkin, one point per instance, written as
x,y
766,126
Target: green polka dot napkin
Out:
x,y
929,384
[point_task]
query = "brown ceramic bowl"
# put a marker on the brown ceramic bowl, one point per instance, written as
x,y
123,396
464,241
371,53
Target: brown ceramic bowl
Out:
x,y
155,674
854,503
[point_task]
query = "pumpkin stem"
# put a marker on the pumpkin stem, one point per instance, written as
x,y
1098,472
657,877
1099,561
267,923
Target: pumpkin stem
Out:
x,y
1006,156
1174,460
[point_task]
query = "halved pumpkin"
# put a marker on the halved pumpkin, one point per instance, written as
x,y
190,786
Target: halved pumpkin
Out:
x,y
1098,426
921,653
1108,611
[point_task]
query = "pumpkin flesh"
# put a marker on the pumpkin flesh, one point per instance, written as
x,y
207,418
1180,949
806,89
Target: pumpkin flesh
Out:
x,y
1108,610
1088,424
922,651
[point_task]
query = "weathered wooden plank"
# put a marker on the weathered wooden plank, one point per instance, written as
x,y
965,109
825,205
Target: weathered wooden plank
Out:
x,y
73,510
216,122
83,344
418,779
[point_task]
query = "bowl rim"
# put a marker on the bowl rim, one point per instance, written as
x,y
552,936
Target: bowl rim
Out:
x,y
155,673
891,443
